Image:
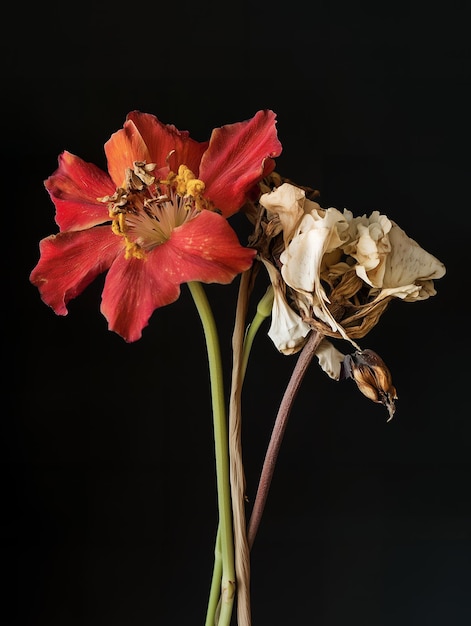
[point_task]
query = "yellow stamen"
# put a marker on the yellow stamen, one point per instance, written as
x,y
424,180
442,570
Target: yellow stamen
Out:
x,y
134,250
144,213
118,226
185,182
195,187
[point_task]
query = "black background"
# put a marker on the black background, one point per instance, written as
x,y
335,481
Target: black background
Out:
x,y
110,495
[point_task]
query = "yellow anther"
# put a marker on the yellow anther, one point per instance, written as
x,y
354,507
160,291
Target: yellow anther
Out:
x,y
185,181
134,250
118,224
181,179
195,187
185,173
180,186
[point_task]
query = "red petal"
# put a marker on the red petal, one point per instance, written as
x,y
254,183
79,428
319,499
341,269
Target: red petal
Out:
x,y
74,188
122,149
133,290
161,139
205,248
236,159
70,261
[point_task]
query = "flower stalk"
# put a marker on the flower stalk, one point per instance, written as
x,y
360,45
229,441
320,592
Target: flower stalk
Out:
x,y
305,357
242,556
225,534
242,340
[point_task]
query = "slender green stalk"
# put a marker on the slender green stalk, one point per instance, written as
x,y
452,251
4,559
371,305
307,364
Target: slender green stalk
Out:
x,y
221,458
264,309
215,591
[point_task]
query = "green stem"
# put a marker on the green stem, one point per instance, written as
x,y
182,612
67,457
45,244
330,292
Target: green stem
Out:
x,y
221,454
264,309
215,591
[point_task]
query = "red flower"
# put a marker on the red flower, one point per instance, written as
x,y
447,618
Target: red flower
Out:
x,y
157,220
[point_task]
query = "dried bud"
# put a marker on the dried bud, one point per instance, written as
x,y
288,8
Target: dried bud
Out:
x,y
372,377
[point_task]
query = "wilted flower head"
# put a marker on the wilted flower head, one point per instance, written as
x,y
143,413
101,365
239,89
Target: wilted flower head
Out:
x,y
340,272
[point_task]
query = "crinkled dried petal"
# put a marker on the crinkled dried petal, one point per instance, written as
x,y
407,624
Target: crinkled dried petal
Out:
x,y
290,204
369,246
408,293
287,330
317,234
409,264
330,359
366,317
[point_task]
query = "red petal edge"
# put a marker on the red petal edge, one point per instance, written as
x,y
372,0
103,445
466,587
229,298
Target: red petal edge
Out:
x,y
70,261
74,188
238,157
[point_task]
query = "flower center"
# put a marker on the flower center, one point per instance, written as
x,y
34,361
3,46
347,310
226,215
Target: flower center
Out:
x,y
145,210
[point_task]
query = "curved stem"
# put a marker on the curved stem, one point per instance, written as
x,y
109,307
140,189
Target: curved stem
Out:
x,y
241,345
242,555
264,309
221,452
305,357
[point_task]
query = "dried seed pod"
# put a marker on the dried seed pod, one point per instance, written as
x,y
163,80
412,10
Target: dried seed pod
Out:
x,y
372,377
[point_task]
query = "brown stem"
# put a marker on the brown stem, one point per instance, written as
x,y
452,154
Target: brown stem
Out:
x,y
305,357
241,548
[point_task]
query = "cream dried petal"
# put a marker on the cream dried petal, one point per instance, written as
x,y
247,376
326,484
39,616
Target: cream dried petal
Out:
x,y
330,359
369,246
408,293
287,330
427,289
289,203
318,233
409,264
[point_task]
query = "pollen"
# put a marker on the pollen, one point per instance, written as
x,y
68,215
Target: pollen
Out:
x,y
145,211
185,182
195,187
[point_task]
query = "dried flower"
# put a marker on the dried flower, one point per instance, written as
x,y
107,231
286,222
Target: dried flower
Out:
x,y
336,273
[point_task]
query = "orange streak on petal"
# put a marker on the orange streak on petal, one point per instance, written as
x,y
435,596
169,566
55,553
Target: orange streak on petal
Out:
x,y
122,149
162,139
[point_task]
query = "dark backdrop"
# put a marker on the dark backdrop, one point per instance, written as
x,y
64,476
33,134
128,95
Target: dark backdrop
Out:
x,y
110,510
